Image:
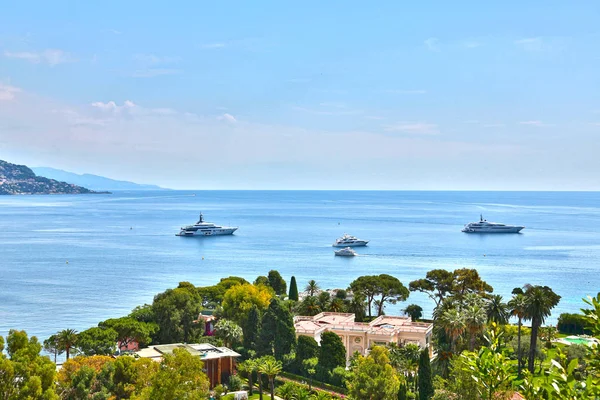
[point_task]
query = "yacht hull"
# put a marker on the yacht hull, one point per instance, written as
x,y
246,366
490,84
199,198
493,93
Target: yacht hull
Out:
x,y
355,244
214,232
511,229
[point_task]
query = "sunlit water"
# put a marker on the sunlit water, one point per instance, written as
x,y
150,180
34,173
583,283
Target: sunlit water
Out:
x,y
71,261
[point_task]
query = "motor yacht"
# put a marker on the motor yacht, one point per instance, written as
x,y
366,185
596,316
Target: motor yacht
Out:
x,y
203,228
484,226
346,252
349,241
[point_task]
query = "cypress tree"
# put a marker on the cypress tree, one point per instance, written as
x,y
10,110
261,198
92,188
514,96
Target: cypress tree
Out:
x,y
333,352
277,335
424,380
251,328
293,295
402,394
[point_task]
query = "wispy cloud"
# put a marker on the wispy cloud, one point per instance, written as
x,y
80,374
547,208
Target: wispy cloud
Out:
x,y
218,45
417,128
7,92
152,72
432,44
534,123
374,117
151,59
227,117
51,57
410,91
531,44
112,107
332,105
471,44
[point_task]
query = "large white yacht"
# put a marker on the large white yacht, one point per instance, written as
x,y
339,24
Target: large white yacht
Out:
x,y
345,252
483,226
202,228
349,241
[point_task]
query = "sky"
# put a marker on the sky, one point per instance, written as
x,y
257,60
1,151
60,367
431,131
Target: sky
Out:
x,y
388,95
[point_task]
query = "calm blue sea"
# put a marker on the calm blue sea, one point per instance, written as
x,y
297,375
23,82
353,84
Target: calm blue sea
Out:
x,y
71,261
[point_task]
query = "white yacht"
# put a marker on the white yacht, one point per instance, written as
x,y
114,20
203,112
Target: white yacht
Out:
x,y
202,228
346,252
349,241
483,226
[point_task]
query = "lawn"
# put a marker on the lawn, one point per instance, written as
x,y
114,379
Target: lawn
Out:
x,y
253,397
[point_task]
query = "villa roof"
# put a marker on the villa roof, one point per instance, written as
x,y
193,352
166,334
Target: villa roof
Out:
x,y
205,351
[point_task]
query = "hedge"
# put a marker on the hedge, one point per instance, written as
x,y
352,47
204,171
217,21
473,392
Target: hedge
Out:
x,y
572,324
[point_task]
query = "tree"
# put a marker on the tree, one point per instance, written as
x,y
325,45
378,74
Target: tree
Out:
x,y
474,317
180,377
466,280
402,392
497,310
309,366
453,323
373,377
130,330
309,306
277,282
250,366
306,348
239,299
539,301
333,352
293,294
51,345
271,368
81,378
425,379
251,327
97,341
261,280
414,311
312,287
229,332
437,285
387,288
277,335
176,312
67,339
405,359
517,308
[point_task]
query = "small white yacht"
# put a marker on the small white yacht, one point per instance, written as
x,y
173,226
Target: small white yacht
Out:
x,y
346,252
349,241
202,228
483,226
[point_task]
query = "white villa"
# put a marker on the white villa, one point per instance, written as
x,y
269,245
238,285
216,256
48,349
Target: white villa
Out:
x,y
361,336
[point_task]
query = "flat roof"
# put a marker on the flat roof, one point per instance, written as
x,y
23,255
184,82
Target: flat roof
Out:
x,y
206,351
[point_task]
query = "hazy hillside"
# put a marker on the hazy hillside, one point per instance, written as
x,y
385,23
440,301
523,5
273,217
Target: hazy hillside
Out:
x,y
19,179
93,182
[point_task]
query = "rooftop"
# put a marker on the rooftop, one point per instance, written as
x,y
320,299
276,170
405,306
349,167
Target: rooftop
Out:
x,y
205,351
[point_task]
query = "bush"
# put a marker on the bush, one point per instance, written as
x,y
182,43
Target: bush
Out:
x,y
574,324
235,383
219,390
339,376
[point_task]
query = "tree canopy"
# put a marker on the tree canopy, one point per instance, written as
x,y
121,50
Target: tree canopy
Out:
x,y
176,311
373,377
239,299
293,294
380,288
277,335
277,282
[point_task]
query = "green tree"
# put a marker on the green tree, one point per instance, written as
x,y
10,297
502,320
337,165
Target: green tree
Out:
x,y
229,332
271,368
373,377
312,288
425,378
383,288
277,282
293,294
277,335
475,318
309,306
415,312
250,366
251,327
143,313
309,367
332,353
440,284
539,301
176,312
67,340
517,308
262,280
402,392
180,377
239,299
130,330
306,348
51,345
97,341
497,310
453,323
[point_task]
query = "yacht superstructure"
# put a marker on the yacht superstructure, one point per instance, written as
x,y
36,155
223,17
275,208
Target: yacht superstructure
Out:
x,y
484,226
345,252
349,241
203,228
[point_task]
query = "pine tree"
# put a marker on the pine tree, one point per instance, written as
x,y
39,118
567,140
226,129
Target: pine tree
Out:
x,y
277,335
333,353
425,383
251,328
293,295
277,282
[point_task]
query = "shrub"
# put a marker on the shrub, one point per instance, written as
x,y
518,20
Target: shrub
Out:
x,y
235,383
573,324
219,390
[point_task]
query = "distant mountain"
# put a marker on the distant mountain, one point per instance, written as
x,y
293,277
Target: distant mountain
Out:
x,y
19,179
93,182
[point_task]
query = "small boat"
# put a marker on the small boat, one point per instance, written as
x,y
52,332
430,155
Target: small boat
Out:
x,y
345,252
483,226
349,241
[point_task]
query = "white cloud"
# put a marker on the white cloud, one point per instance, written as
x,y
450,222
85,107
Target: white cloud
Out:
x,y
51,57
418,128
534,123
531,44
7,92
227,117
213,45
410,91
432,44
152,72
111,106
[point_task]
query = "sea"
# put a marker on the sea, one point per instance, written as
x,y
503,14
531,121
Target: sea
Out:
x,y
72,261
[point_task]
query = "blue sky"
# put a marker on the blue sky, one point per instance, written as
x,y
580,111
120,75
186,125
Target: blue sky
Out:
x,y
308,95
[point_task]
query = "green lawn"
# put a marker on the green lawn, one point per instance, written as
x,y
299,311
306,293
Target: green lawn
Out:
x,y
253,397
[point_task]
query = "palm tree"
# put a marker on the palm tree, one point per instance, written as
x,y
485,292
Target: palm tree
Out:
x,y
271,367
517,308
497,311
312,287
286,391
539,301
259,363
310,306
250,366
67,338
337,305
302,394
474,318
454,325
320,395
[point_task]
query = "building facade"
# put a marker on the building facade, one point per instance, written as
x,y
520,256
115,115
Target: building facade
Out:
x,y
360,336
